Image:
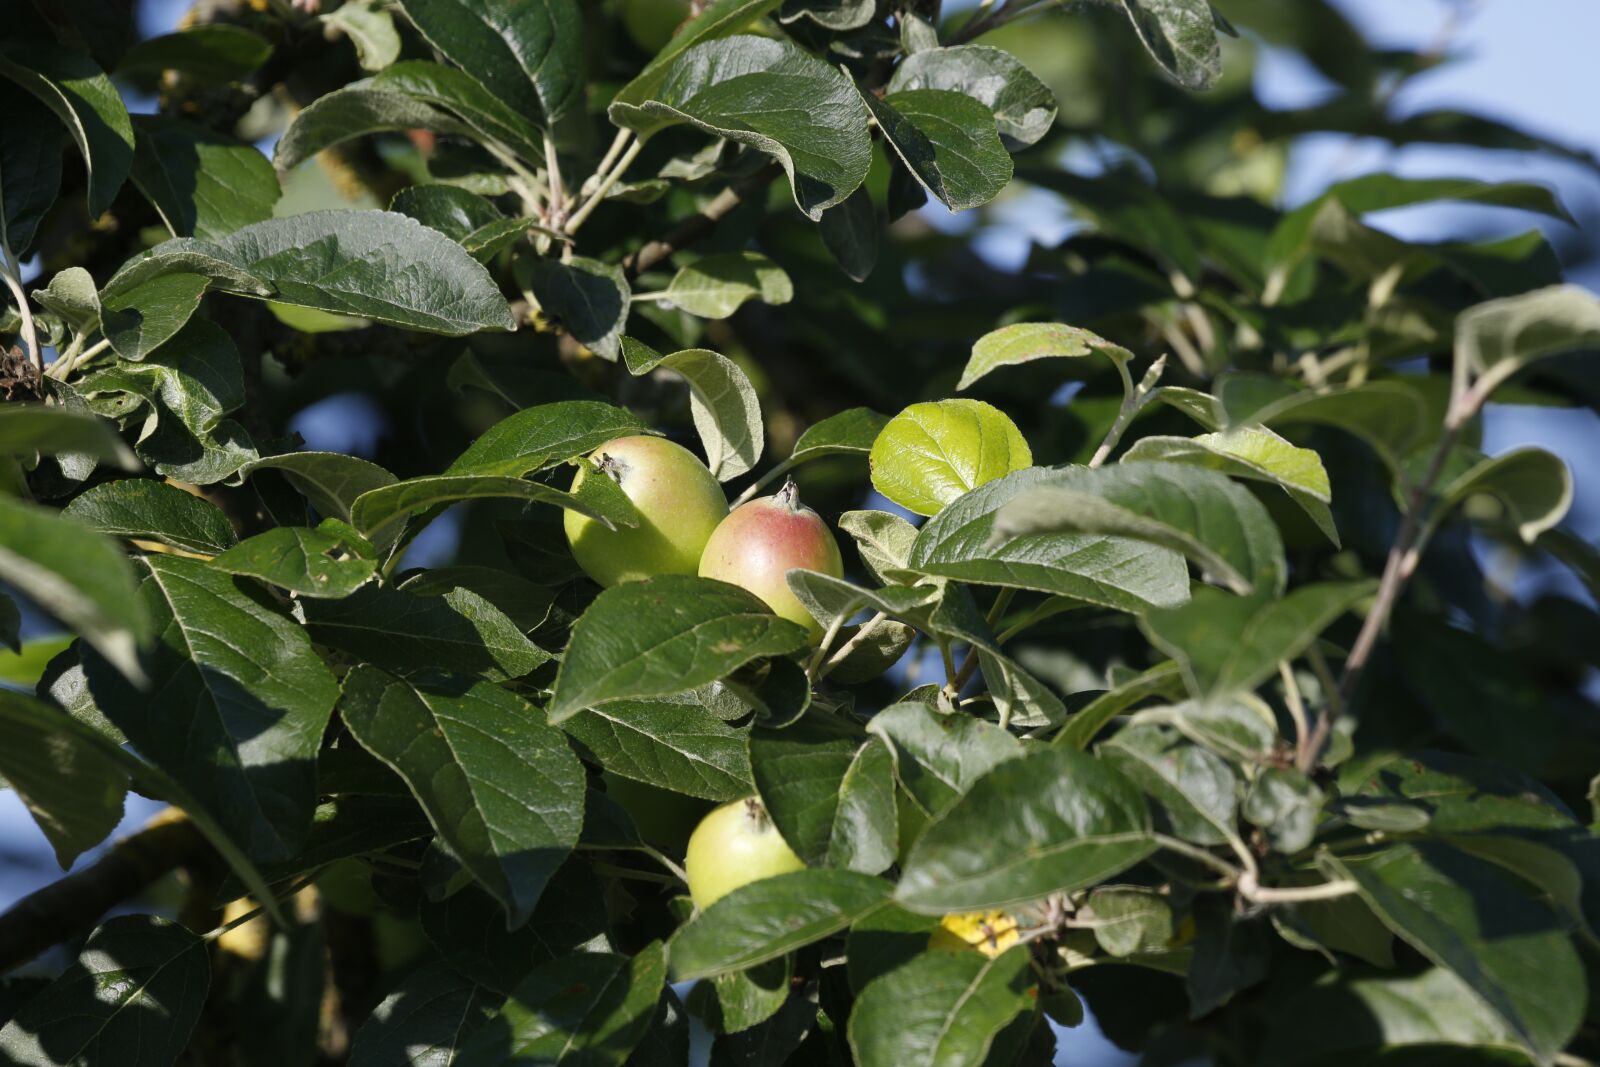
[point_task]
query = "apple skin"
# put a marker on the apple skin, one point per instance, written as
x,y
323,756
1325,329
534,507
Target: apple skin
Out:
x,y
759,543
679,504
651,23
733,846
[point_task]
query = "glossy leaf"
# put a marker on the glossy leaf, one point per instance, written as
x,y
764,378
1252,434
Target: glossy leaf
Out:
x,y
1228,644
930,454
681,747
254,701
215,53
1181,36
830,795
31,143
946,139
719,18
528,54
723,403
765,919
501,788
380,512
850,232
939,757
330,481
542,436
1024,107
1051,821
1469,917
1195,792
939,1009
150,510
131,997
321,562
77,576
663,636
29,429
1162,680
727,87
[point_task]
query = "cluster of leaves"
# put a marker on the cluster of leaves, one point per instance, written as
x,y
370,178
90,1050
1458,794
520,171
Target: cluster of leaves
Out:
x,y
1167,756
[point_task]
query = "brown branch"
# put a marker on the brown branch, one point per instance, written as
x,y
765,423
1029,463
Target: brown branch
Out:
x,y
74,903
698,226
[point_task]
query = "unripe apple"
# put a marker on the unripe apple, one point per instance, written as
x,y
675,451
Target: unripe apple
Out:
x,y
651,23
762,541
679,505
733,846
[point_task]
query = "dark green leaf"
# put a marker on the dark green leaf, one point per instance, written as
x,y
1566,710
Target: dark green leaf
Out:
x,y
1469,917
76,575
250,696
588,298
850,232
542,436
1194,790
1162,680
73,789
1023,106
1181,36
502,789
766,919
939,1008
767,94
131,997
1230,955
830,795
1285,804
203,183
720,18
453,211
83,98
530,55
380,513
325,562
1129,920
330,481
681,747
1051,821
734,1002
722,402
946,139
589,1009
939,757
459,632
663,636
149,510
30,166
425,1022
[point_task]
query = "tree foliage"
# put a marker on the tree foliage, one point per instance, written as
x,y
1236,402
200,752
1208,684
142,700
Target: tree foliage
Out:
x,y
1164,678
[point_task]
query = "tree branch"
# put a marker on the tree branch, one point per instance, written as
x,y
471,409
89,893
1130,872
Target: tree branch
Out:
x,y
65,907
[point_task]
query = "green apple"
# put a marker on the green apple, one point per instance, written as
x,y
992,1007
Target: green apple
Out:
x,y
733,846
757,545
679,504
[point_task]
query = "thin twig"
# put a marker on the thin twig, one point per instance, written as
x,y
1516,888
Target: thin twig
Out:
x,y
618,143
603,188
815,661
11,271
997,611
1134,398
1296,705
697,226
850,645
1228,871
1261,894
558,199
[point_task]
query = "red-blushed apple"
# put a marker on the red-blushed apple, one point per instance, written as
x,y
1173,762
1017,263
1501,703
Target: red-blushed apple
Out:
x,y
733,846
759,543
679,504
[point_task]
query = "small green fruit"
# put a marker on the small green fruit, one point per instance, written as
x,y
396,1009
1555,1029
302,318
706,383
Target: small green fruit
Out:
x,y
679,504
762,541
733,846
651,23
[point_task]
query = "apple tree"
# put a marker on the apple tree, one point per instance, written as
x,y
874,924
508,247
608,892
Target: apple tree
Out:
x,y
587,536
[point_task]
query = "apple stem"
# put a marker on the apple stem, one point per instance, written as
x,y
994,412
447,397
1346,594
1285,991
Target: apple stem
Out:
x,y
756,812
789,495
